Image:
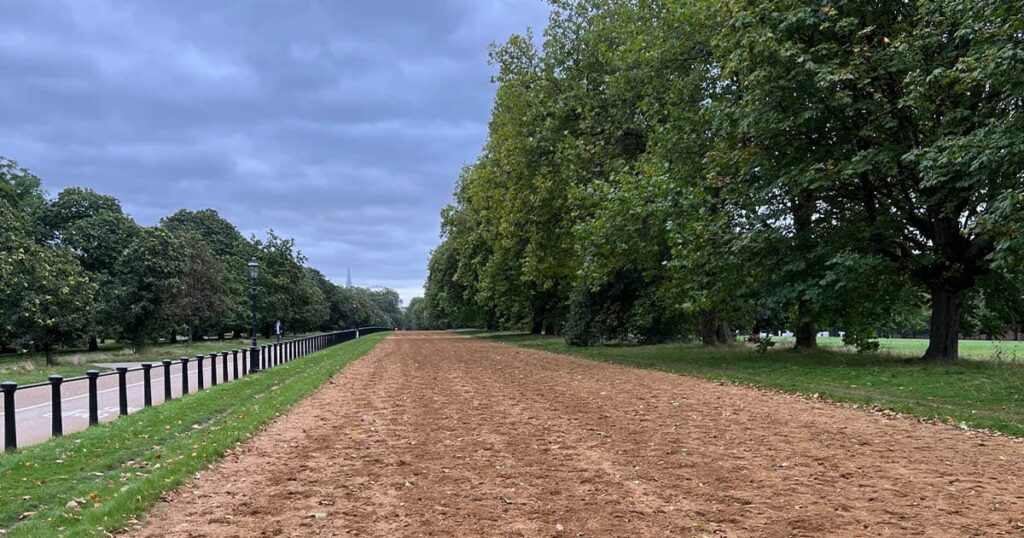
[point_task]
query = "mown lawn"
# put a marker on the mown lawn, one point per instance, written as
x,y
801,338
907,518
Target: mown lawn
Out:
x,y
1006,350
25,368
118,470
978,393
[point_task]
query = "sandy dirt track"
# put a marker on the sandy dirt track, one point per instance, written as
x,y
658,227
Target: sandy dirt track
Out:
x,y
437,435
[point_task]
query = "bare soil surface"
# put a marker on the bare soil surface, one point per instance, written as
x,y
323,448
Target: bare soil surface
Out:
x,y
438,435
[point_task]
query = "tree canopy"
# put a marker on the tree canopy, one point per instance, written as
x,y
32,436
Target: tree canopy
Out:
x,y
76,268
683,168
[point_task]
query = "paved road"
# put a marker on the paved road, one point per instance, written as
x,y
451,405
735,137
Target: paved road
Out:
x,y
34,410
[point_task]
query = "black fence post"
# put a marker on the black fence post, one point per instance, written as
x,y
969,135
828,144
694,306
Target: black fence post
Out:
x,y
213,369
234,362
94,405
147,385
254,360
199,372
263,357
10,426
122,390
184,375
224,369
167,379
57,421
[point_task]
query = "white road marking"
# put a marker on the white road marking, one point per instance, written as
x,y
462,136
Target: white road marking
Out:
x,y
86,395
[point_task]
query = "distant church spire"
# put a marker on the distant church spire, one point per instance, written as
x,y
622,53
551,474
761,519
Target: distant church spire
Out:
x,y
348,278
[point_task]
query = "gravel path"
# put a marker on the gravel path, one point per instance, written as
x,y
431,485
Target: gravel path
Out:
x,y
433,434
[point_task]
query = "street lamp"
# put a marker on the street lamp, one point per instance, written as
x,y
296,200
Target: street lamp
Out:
x,y
254,351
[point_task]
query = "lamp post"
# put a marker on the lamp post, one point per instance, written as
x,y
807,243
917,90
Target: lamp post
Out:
x,y
254,350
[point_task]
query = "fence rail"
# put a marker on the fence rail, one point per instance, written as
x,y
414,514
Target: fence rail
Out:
x,y
230,364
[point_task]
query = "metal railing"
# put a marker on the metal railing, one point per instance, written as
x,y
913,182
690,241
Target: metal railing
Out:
x,y
232,365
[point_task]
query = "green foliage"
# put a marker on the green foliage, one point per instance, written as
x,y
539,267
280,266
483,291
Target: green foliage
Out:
x,y
765,343
46,297
202,298
77,268
149,278
667,167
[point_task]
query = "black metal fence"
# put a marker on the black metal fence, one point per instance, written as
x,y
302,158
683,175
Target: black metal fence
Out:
x,y
230,365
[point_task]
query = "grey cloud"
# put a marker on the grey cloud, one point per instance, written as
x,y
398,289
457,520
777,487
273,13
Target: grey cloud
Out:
x,y
341,123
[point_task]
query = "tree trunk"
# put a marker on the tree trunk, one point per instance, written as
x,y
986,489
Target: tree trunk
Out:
x,y
48,348
549,328
195,333
708,327
944,333
723,334
174,336
220,336
538,325
94,344
806,335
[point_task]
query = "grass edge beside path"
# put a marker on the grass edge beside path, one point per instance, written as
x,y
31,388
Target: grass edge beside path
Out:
x,y
116,471
977,394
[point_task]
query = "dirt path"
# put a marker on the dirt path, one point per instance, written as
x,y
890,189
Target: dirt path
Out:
x,y
438,435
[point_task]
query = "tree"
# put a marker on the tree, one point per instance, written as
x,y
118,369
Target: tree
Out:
x,y
149,277
287,292
232,251
904,129
46,296
416,316
95,228
202,298
23,192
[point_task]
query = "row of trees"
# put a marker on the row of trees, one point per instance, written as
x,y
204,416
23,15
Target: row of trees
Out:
x,y
76,269
675,168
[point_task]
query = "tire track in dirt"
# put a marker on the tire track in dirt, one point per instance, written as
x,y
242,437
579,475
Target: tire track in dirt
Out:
x,y
437,435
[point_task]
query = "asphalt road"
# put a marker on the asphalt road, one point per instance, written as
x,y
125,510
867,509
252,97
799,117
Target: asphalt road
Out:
x,y
34,410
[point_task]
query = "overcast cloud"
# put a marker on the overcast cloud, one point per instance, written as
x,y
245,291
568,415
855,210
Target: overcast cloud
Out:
x,y
340,123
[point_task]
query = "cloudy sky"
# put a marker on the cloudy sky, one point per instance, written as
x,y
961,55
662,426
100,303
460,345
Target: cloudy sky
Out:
x,y
341,123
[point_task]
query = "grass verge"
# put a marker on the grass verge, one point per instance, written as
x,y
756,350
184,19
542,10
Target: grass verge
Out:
x,y
978,394
118,470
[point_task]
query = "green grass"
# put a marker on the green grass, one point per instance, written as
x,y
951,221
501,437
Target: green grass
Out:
x,y
25,368
120,469
1007,350
979,394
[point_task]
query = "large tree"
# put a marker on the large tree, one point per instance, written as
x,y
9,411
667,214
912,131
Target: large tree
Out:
x,y
904,130
149,276
95,228
46,297
232,251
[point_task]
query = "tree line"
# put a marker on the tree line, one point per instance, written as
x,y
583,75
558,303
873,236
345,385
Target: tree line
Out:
x,y
77,269
665,169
